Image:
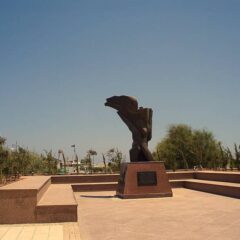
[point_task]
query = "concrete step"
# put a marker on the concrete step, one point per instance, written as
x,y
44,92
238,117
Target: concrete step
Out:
x,y
58,204
177,183
215,187
18,199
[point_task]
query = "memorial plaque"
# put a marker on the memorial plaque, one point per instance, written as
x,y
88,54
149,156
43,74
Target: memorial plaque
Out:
x,y
147,178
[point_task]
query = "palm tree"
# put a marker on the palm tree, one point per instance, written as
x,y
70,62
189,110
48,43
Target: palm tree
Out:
x,y
91,153
60,151
104,162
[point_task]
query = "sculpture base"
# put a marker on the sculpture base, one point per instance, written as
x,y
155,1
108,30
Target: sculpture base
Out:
x,y
143,180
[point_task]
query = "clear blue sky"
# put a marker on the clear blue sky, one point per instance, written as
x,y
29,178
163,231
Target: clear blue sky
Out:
x,y
60,60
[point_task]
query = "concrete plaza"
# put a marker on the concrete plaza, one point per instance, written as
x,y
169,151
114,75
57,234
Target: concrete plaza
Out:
x,y
189,215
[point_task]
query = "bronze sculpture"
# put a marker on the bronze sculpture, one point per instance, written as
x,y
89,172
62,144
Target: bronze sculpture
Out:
x,y
139,122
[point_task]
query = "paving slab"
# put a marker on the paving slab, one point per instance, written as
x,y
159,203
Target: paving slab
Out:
x,y
187,215
34,232
3,231
71,231
27,232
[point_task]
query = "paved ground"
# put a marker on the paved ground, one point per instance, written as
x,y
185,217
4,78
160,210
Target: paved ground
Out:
x,y
58,231
189,215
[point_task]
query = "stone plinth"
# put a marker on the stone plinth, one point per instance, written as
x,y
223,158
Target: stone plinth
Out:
x,y
143,180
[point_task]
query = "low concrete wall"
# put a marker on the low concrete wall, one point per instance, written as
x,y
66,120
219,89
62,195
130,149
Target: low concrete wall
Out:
x,y
97,178
176,184
85,178
218,176
180,175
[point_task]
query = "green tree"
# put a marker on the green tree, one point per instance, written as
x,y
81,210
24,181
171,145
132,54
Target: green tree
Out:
x,y
176,147
224,157
185,148
21,161
166,152
3,156
50,163
237,156
206,149
231,159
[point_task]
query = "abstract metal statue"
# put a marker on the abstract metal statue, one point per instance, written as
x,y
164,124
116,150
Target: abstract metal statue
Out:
x,y
139,122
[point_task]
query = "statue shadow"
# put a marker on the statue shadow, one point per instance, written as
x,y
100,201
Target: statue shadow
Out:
x,y
100,197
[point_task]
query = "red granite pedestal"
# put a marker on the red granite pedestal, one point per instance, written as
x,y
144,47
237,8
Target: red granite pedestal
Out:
x,y
143,180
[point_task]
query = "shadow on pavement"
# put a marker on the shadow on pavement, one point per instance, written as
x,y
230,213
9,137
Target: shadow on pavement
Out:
x,y
91,196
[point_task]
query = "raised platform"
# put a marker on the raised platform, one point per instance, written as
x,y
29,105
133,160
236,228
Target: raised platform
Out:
x,y
34,199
